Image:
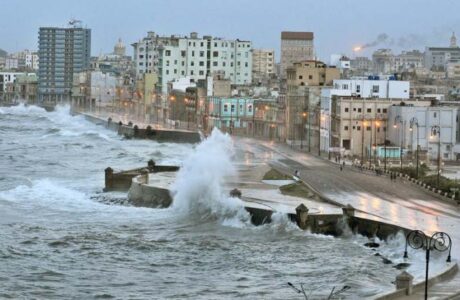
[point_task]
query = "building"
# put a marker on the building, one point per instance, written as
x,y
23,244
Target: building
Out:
x,y
62,53
453,70
372,87
361,65
119,48
197,57
359,126
18,86
382,61
436,58
263,64
407,60
304,82
311,73
230,114
295,47
31,61
408,137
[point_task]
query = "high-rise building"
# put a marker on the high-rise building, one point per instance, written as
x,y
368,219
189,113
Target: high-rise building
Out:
x,y
62,53
295,47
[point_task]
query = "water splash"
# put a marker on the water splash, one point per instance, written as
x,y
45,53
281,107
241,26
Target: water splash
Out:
x,y
199,187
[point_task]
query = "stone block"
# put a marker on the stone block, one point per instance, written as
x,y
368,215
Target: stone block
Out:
x,y
405,281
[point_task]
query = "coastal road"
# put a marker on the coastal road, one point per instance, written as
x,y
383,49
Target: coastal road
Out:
x,y
400,202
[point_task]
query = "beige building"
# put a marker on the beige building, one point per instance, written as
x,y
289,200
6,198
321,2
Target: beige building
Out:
x,y
359,124
311,73
263,64
304,82
295,47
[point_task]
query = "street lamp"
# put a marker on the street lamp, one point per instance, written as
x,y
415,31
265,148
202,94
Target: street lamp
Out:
x,y
385,145
436,130
304,115
439,241
377,125
399,119
364,124
413,122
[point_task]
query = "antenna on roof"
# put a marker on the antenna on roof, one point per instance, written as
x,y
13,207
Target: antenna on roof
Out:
x,y
75,23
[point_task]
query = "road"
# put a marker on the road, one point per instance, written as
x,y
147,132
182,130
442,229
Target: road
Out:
x,y
399,202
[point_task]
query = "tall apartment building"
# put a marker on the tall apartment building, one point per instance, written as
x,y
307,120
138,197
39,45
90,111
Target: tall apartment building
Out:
x,y
263,64
62,53
176,57
295,47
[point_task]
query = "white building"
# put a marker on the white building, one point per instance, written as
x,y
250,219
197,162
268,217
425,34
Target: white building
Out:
x,y
31,61
376,88
197,57
400,132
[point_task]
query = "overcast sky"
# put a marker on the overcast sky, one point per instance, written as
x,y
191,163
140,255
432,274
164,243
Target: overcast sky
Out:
x,y
339,25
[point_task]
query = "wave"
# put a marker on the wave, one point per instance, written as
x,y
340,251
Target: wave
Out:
x,y
199,187
22,110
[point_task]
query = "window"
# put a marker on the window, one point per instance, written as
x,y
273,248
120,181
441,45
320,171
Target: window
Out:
x,y
358,128
233,108
354,127
310,76
354,108
300,77
249,108
201,63
201,53
191,72
378,110
167,72
183,63
346,109
201,44
375,89
201,72
384,110
182,73
435,115
446,155
193,53
223,64
167,63
175,61
358,88
141,56
215,53
359,110
246,64
344,86
368,128
447,147
183,53
168,53
214,63
345,128
369,110
192,63
225,107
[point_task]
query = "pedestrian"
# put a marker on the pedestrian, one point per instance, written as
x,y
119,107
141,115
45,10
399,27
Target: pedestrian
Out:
x,y
341,167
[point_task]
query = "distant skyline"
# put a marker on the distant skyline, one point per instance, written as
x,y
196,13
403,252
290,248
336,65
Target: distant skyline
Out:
x,y
339,25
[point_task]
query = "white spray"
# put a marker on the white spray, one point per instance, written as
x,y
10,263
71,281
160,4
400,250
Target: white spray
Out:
x,y
199,187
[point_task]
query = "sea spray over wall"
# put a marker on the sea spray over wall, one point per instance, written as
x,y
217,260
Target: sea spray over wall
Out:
x,y
199,186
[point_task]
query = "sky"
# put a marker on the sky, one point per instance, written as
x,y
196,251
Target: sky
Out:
x,y
338,25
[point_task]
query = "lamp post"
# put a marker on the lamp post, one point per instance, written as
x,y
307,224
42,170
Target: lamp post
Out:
x,y
439,241
309,130
413,122
376,125
399,119
436,130
385,145
370,144
304,115
364,124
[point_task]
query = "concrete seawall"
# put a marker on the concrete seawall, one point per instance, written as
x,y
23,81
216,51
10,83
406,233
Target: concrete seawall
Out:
x,y
134,131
